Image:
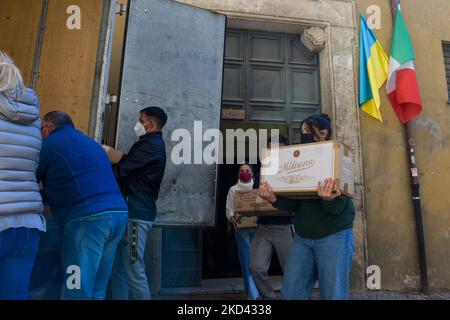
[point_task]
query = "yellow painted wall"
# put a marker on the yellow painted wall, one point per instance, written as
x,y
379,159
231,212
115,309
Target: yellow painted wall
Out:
x,y
69,57
391,234
19,24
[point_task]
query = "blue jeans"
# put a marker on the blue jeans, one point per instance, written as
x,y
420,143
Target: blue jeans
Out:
x,y
129,279
89,246
243,239
328,260
18,249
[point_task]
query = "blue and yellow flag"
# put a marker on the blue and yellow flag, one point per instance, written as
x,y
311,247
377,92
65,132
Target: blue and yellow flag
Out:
x,y
373,71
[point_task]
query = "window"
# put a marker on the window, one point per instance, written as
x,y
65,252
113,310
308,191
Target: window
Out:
x,y
446,47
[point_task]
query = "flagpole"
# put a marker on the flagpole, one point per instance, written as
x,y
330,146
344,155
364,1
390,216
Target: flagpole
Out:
x,y
415,188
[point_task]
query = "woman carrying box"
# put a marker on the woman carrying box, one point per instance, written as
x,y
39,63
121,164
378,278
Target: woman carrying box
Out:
x,y
243,236
323,245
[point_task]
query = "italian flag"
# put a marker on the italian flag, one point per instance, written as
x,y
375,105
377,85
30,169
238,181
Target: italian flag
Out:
x,y
402,87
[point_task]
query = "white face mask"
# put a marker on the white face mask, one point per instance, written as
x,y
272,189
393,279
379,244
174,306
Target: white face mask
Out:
x,y
139,129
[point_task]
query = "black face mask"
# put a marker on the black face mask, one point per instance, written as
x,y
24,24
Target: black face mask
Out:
x,y
307,138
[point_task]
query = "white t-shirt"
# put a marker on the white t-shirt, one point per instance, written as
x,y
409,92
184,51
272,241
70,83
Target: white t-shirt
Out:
x,y
230,197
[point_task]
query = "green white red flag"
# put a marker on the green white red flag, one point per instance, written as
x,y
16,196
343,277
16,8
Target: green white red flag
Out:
x,y
402,87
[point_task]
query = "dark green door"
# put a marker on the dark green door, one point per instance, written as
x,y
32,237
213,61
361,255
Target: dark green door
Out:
x,y
181,257
272,76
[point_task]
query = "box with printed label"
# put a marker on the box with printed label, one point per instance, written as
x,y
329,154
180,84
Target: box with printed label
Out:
x,y
245,222
295,171
249,203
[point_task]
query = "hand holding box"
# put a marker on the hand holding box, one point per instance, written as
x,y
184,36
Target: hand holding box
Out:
x,y
249,203
245,222
114,155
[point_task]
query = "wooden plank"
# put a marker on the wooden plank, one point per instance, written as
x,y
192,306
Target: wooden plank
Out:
x,y
19,26
68,60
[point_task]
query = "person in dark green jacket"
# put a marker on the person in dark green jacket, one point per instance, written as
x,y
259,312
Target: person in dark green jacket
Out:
x,y
323,245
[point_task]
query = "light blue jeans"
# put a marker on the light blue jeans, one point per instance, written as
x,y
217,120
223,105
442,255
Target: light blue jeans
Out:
x,y
243,238
88,249
328,260
129,279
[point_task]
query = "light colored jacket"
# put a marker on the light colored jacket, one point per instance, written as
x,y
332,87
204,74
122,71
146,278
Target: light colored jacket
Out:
x,y
20,144
231,194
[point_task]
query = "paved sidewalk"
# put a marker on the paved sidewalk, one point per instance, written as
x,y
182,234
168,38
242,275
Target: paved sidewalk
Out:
x,y
233,289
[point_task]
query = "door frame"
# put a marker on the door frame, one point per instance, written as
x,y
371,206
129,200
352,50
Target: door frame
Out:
x,y
101,76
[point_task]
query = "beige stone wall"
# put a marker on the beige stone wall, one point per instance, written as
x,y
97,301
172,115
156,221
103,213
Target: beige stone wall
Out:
x,y
392,242
337,61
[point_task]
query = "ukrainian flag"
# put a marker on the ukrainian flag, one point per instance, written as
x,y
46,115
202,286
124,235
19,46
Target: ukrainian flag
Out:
x,y
373,71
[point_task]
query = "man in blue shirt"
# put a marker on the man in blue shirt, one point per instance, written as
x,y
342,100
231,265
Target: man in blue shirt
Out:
x,y
85,199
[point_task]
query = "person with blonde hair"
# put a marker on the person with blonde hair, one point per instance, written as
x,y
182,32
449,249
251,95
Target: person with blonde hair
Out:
x,y
21,206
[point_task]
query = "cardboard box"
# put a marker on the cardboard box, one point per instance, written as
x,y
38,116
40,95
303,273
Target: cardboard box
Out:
x,y
301,167
249,203
245,222
114,155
